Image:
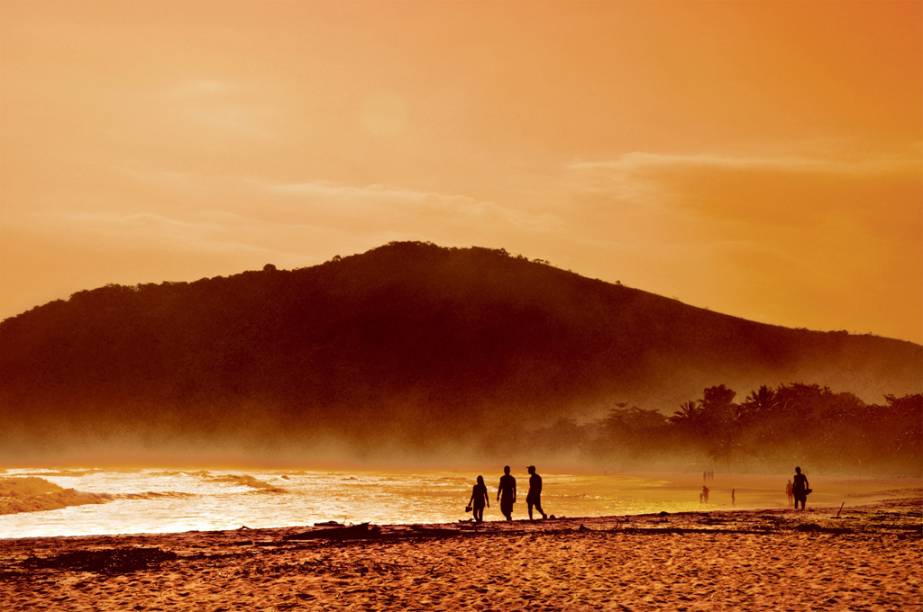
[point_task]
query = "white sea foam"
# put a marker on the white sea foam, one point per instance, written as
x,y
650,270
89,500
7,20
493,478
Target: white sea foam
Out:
x,y
158,501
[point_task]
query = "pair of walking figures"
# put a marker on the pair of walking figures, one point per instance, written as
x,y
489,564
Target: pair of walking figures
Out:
x,y
506,495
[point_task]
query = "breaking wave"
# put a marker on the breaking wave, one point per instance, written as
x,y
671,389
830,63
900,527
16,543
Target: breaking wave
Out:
x,y
154,495
245,481
33,494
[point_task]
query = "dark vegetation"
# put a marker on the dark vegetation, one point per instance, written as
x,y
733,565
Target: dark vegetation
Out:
x,y
769,428
412,347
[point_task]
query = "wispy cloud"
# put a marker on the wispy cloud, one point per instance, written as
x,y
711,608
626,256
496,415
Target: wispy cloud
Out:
x,y
640,161
377,199
199,88
211,107
288,222
201,232
376,192
755,190
757,223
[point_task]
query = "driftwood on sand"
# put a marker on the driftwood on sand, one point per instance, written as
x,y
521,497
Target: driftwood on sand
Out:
x,y
353,532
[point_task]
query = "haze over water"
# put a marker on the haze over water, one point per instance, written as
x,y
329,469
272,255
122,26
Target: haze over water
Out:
x,y
161,501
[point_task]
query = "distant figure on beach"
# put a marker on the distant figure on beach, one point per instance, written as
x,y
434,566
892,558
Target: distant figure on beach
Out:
x,y
788,492
733,497
800,488
703,496
534,498
506,493
479,498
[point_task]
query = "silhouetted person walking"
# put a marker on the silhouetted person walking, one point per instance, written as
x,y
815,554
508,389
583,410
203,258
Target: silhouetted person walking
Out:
x,y
506,493
479,498
733,497
534,498
788,492
800,488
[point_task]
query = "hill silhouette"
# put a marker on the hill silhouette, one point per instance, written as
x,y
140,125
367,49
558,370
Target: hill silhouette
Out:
x,y
406,344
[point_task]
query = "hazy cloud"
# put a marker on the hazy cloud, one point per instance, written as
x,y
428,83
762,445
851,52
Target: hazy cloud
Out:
x,y
883,191
373,201
639,162
721,228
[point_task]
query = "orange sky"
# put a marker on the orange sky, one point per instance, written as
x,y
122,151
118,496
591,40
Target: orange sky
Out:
x,y
764,160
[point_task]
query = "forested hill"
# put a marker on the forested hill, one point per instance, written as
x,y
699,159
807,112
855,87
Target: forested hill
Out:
x,y
408,340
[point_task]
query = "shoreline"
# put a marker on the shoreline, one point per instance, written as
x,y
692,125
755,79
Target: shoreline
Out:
x,y
164,502
869,556
468,527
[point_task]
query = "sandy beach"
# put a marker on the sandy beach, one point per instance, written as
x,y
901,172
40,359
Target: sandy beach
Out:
x,y
868,558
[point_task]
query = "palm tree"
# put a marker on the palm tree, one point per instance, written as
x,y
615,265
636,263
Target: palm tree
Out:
x,y
688,417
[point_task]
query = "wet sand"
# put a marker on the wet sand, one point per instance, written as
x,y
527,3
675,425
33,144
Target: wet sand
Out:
x,y
869,557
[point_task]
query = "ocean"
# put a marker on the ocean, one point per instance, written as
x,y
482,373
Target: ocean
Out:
x,y
170,500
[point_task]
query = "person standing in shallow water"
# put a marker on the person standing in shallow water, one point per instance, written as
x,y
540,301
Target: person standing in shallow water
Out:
x,y
506,493
800,488
479,498
534,498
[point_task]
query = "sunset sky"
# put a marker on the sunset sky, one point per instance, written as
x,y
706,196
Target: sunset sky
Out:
x,y
759,159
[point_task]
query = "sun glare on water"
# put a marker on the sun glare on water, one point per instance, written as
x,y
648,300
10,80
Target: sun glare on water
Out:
x,y
162,501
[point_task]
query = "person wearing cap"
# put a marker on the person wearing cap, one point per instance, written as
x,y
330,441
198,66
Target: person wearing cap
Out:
x,y
534,498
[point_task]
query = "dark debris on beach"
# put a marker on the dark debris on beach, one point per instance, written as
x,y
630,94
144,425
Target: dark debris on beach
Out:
x,y
104,561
